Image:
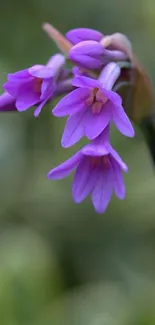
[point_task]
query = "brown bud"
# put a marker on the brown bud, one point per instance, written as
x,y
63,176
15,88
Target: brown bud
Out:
x,y
61,41
138,98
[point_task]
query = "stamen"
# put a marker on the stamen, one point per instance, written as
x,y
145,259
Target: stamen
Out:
x,y
96,100
105,161
94,161
91,97
96,108
101,97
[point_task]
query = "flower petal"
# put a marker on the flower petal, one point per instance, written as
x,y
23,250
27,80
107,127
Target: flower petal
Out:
x,y
19,75
103,138
84,82
84,180
56,62
81,34
103,189
95,150
115,98
88,54
47,88
122,122
118,181
41,72
65,168
74,129
117,158
27,98
96,123
71,103
109,75
86,62
7,102
14,88
39,108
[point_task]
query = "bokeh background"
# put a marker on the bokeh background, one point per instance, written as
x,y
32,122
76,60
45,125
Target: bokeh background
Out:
x,y
61,263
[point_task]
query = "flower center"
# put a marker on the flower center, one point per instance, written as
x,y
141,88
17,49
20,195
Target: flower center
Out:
x,y
105,161
96,100
37,85
102,161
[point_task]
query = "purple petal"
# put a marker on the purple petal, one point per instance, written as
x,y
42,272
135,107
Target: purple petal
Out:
x,y
95,150
86,62
50,70
113,55
109,75
64,86
47,88
65,168
113,97
104,137
22,74
39,108
81,34
118,181
87,54
74,129
27,98
90,48
84,180
41,72
71,103
7,102
103,189
96,123
122,122
14,88
117,158
85,82
56,62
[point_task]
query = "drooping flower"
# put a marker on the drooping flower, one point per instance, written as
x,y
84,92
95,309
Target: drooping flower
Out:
x,y
83,34
7,103
92,106
35,85
92,55
98,173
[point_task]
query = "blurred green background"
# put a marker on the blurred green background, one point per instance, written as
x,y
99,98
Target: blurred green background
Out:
x,y
61,263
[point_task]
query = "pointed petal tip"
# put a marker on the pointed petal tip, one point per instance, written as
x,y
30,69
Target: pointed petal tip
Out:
x,y
36,113
122,122
125,167
130,133
122,196
99,208
55,112
65,144
48,175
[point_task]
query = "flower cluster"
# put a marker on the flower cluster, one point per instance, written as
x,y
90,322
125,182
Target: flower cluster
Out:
x,y
90,102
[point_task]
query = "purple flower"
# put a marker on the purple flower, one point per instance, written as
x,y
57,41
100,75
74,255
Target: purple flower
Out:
x,y
92,55
92,106
80,71
98,173
35,85
83,34
7,103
